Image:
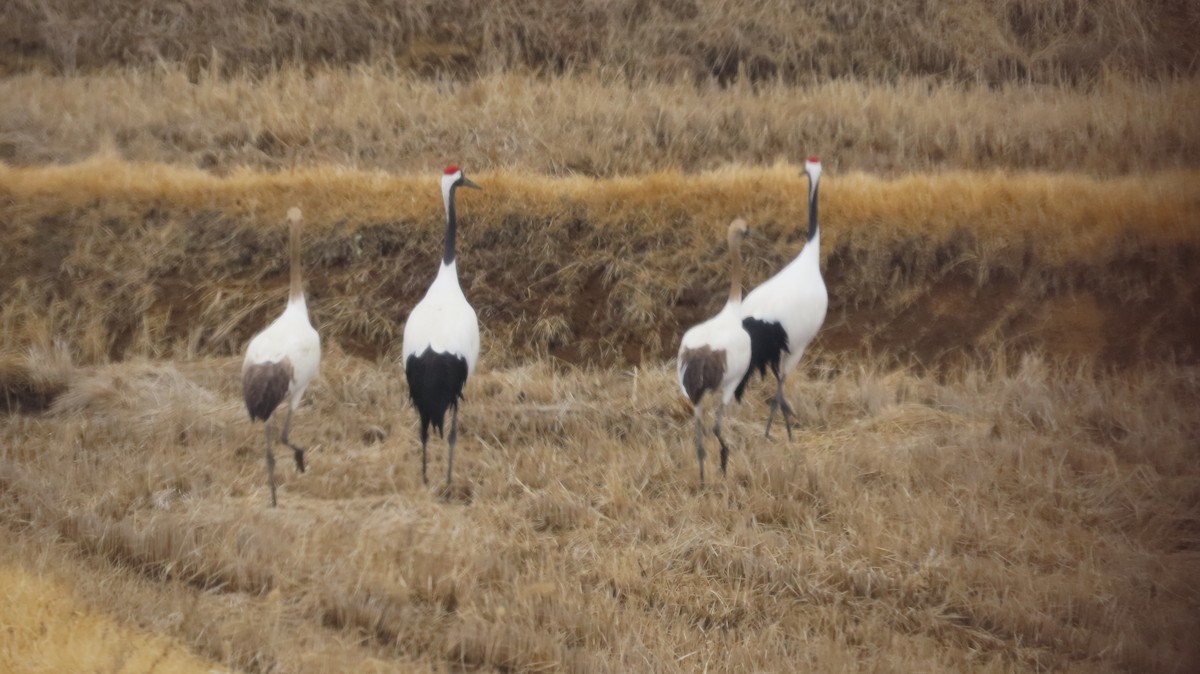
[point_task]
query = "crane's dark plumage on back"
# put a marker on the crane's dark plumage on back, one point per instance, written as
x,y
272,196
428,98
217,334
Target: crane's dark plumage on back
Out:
x,y
264,386
435,383
768,343
702,369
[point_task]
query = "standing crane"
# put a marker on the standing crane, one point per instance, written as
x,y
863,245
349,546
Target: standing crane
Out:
x,y
784,313
441,338
282,360
714,356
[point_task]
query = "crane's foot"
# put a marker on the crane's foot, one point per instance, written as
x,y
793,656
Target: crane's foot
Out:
x,y
298,455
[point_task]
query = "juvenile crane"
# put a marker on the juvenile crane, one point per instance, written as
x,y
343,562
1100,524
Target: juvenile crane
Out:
x,y
441,339
784,313
282,360
714,356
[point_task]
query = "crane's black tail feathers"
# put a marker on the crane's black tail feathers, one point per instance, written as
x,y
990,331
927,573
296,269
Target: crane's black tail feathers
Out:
x,y
703,368
768,343
435,384
264,386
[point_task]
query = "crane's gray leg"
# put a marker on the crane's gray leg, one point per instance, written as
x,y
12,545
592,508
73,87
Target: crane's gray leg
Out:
x,y
424,459
270,462
778,402
771,414
717,432
788,413
297,451
700,441
451,440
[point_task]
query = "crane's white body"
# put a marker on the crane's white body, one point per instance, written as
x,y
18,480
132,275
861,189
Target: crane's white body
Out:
x,y
290,337
443,321
796,298
722,332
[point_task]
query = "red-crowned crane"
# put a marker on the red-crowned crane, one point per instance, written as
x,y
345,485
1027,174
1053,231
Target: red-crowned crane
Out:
x,y
441,338
714,356
282,360
784,313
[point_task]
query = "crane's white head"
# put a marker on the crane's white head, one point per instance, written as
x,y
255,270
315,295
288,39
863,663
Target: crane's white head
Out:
x,y
738,229
294,214
453,177
812,167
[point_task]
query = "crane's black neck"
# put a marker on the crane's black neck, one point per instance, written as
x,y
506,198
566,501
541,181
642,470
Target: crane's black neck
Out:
x,y
813,227
451,226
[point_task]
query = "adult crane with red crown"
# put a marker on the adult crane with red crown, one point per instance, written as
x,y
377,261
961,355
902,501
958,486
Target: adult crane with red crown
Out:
x,y
441,338
784,313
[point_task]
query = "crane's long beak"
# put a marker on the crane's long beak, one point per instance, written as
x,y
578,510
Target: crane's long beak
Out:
x,y
467,183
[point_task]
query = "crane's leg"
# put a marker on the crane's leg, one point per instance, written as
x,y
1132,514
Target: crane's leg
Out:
x,y
453,438
788,415
297,452
424,461
700,440
771,414
778,402
717,432
270,462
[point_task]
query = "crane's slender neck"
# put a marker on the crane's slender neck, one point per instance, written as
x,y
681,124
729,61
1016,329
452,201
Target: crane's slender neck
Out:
x,y
451,224
735,268
295,291
813,228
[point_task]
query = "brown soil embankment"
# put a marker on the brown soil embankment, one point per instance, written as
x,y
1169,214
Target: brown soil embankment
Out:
x,y
118,259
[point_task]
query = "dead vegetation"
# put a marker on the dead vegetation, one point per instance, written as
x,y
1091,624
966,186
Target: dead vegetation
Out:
x,y
996,468
1028,515
117,260
1036,40
597,125
44,623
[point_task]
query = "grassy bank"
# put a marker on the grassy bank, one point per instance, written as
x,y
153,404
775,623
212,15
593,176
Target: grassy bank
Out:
x,y
121,259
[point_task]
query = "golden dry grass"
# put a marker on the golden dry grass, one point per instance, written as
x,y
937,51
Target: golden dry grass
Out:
x,y
47,629
1025,517
597,125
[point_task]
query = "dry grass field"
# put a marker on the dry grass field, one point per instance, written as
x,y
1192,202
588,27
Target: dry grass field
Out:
x,y
1029,516
997,463
597,125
